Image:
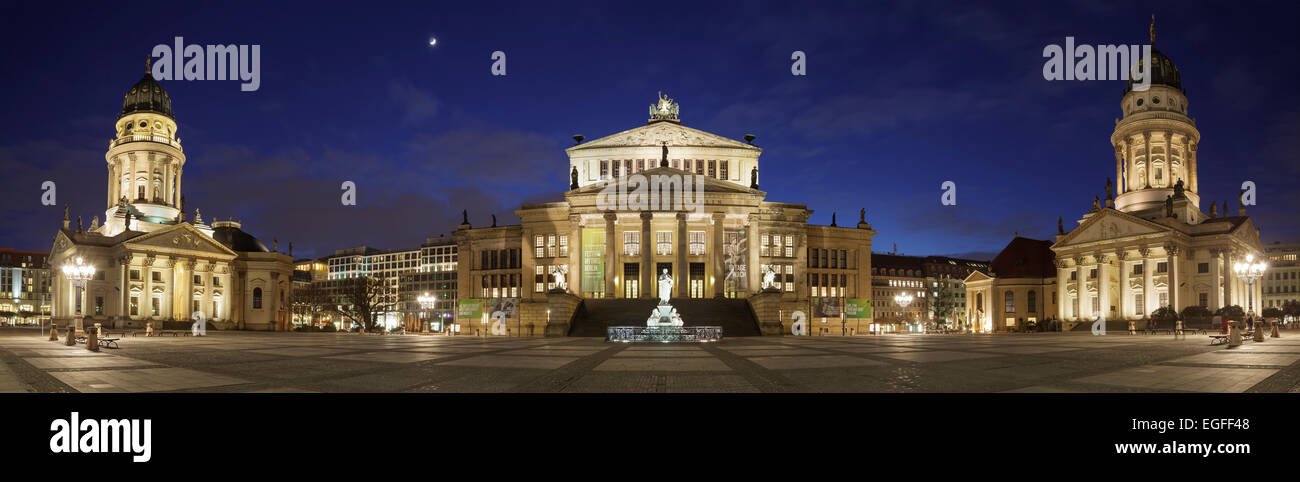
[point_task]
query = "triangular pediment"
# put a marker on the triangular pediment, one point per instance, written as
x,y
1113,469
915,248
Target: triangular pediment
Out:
x,y
1109,224
977,276
658,133
182,237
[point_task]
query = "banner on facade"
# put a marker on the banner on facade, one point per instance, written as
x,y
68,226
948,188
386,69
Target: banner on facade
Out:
x,y
470,309
509,306
857,308
827,307
736,257
593,260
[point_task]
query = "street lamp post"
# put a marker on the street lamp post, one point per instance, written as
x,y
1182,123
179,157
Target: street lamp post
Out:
x,y
1249,272
78,273
903,300
426,303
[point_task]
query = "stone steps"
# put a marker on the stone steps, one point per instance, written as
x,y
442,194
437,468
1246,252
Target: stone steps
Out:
x,y
734,316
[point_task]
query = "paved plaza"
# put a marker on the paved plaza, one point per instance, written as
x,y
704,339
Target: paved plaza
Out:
x,y
323,362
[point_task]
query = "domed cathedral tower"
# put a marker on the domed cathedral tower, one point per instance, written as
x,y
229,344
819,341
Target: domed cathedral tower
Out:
x,y
145,162
1155,142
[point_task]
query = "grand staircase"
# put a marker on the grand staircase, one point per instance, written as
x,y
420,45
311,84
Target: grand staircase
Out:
x,y
595,315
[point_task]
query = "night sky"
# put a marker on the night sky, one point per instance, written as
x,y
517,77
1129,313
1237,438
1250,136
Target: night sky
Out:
x,y
899,97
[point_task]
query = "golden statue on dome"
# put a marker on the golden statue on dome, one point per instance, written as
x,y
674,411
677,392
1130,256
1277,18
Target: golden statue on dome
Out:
x,y
666,109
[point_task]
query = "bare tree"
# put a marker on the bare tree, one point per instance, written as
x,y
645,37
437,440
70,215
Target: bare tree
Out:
x,y
944,301
313,298
360,299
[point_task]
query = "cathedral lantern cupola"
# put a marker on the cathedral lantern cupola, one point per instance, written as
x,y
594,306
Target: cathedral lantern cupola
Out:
x,y
144,160
1155,141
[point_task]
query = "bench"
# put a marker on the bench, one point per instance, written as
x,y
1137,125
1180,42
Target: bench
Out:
x,y
1218,340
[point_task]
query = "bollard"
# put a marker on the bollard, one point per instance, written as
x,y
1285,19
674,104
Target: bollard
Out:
x,y
1275,333
1132,328
71,339
148,329
1178,330
92,337
1234,335
54,332
1259,332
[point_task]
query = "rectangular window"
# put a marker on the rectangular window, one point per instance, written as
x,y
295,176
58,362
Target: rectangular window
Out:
x,y
1203,268
564,245
194,305
844,258
765,247
216,281
722,169
154,306
604,170
663,243
539,249
1162,267
699,167
812,258
776,245
640,165
198,280
1164,298
1205,300
614,172
156,275
835,261
631,243
539,279
550,245
135,306
99,305
1137,268
697,243
824,253
789,277
677,163
789,246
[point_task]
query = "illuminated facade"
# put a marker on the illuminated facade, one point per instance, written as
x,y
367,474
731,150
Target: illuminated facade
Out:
x,y
1149,243
1281,284
597,245
24,287
152,265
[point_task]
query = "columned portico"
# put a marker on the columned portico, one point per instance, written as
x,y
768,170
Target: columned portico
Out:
x,y
648,274
611,254
1125,291
1148,288
1081,297
1103,285
1171,251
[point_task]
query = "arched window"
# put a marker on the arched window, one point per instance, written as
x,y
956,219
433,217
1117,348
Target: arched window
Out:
x,y
1031,302
1010,302
257,298
979,302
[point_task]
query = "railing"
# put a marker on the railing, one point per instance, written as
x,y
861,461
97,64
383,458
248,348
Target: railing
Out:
x,y
144,138
664,333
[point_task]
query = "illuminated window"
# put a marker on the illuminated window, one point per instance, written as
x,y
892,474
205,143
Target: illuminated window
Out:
x,y
631,243
697,243
664,243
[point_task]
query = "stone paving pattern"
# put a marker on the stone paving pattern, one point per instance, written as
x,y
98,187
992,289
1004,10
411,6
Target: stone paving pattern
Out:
x,y
325,362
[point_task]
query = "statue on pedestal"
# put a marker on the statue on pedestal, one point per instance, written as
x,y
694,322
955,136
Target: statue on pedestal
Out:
x,y
665,287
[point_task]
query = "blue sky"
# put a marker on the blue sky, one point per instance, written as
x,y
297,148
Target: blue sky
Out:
x,y
899,97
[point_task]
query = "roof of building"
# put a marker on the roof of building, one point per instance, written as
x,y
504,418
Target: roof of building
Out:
x,y
894,261
147,96
1025,258
237,240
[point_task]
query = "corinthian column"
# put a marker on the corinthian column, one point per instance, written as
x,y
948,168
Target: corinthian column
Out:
x,y
648,276
1124,295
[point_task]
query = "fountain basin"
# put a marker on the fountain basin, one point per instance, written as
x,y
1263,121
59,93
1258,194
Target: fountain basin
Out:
x,y
664,334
